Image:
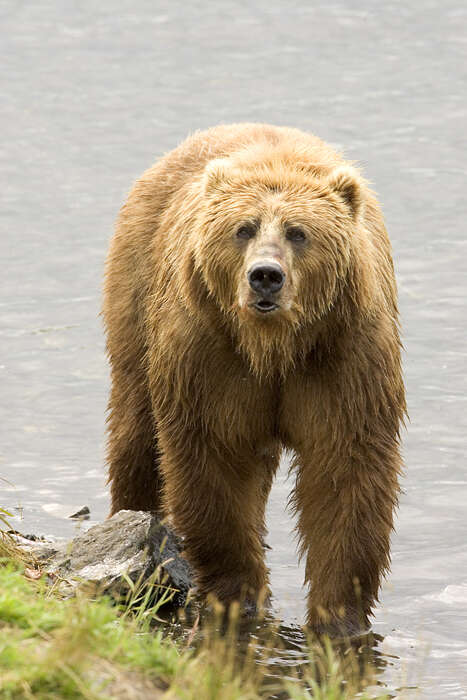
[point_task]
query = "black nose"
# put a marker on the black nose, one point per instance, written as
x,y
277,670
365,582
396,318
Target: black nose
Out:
x,y
266,279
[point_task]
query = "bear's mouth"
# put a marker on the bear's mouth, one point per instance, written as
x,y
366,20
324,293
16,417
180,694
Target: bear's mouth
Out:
x,y
265,306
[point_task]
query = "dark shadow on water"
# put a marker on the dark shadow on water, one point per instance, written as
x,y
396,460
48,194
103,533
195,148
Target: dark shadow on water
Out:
x,y
283,652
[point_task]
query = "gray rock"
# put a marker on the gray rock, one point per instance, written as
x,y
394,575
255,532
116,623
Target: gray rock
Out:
x,y
40,547
131,544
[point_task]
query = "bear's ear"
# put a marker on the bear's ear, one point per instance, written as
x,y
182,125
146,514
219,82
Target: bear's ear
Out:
x,y
216,173
347,183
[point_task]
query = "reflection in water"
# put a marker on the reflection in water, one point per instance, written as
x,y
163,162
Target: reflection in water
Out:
x,y
283,652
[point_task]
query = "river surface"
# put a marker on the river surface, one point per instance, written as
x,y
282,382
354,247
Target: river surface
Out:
x,y
91,94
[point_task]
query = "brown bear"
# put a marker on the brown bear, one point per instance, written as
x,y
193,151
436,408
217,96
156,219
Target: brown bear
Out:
x,y
250,306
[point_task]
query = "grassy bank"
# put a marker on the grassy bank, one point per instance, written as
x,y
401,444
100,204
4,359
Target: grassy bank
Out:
x,y
84,648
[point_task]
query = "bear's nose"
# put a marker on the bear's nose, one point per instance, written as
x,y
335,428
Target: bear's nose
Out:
x,y
266,278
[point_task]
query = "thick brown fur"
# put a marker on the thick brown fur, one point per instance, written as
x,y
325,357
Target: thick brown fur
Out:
x,y
206,391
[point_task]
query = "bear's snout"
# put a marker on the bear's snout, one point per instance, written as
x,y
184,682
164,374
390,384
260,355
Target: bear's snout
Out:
x,y
266,278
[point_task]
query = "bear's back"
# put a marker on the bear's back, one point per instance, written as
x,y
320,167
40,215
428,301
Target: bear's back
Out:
x,y
192,155
177,168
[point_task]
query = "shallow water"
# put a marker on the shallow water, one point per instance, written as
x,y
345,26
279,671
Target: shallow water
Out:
x,y
90,97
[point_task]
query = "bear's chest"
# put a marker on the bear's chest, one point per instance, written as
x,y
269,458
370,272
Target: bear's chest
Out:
x,y
238,407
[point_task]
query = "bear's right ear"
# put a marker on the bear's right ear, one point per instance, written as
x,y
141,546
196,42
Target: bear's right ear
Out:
x,y
216,173
346,181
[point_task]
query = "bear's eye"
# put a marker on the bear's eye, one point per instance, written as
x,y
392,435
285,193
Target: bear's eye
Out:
x,y
295,234
246,231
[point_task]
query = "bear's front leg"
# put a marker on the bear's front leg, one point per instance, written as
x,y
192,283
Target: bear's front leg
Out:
x,y
345,496
216,501
342,418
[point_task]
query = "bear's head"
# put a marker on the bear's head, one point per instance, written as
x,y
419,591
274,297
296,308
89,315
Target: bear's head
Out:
x,y
279,242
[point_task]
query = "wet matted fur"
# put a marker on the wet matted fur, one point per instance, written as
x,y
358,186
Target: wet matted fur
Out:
x,y
206,390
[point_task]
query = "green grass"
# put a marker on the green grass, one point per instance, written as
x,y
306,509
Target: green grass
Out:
x,y
70,648
52,647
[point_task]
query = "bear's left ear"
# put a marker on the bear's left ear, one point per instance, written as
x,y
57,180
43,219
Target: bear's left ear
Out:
x,y
347,183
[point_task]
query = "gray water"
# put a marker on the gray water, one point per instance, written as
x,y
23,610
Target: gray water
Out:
x,y
91,94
